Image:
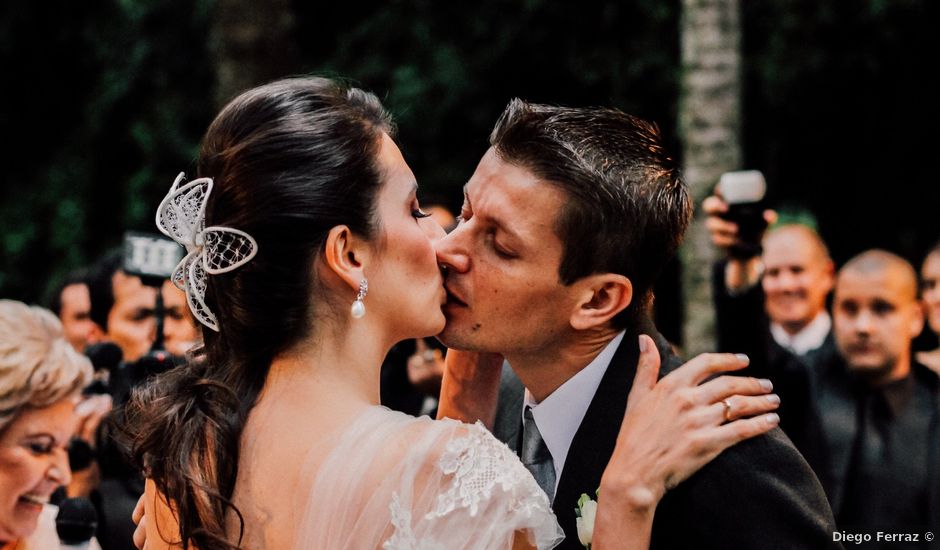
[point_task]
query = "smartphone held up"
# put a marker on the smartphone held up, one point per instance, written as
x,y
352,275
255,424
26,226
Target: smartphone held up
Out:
x,y
744,192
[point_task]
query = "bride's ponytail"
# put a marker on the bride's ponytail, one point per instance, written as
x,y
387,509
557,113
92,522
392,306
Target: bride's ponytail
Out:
x,y
187,428
289,160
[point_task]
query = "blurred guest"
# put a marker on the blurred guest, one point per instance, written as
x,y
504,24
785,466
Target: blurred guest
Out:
x,y
792,278
774,305
71,303
889,475
41,377
798,275
124,307
411,377
930,289
872,431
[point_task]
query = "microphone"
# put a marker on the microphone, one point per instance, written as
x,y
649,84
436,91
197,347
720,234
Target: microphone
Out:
x,y
76,523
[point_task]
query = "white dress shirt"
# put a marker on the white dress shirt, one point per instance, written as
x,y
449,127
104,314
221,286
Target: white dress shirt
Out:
x,y
560,414
811,337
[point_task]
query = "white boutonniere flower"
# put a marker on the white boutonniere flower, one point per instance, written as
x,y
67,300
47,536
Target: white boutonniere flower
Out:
x,y
585,512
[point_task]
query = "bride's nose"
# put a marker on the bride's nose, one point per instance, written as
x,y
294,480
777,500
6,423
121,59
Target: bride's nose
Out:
x,y
433,230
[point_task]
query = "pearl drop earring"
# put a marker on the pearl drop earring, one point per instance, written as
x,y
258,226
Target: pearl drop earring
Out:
x,y
358,309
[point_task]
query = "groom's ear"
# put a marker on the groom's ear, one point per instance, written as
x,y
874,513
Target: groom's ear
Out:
x,y
346,255
600,298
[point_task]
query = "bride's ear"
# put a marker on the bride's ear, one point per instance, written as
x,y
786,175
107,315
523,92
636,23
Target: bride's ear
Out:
x,y
346,255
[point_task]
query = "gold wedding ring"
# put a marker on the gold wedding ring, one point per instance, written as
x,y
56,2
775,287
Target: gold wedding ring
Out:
x,y
727,404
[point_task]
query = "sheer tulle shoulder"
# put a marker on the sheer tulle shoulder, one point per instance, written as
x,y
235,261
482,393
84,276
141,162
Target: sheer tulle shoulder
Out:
x,y
400,483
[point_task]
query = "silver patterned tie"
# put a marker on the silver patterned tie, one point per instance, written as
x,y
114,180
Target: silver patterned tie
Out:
x,y
536,456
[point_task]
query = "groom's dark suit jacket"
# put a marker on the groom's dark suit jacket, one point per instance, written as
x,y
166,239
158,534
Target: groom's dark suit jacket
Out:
x,y
758,494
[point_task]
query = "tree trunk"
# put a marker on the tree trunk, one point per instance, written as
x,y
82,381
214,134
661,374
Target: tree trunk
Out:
x,y
710,129
252,43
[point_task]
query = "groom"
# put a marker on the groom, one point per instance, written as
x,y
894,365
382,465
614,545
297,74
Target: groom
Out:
x,y
566,224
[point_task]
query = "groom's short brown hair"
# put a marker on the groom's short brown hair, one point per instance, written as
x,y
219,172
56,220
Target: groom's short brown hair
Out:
x,y
627,207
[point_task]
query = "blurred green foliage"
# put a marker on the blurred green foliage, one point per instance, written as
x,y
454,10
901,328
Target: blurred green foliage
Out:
x,y
104,102
841,114
447,69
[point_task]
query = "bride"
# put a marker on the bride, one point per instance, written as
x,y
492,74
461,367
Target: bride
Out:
x,y
309,258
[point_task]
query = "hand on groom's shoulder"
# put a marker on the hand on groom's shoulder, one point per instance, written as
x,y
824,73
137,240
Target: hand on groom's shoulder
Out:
x,y
760,493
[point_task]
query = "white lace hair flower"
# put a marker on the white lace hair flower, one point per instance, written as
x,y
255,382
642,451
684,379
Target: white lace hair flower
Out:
x,y
211,250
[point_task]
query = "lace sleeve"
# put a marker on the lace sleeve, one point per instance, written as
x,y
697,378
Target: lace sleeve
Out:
x,y
484,496
400,483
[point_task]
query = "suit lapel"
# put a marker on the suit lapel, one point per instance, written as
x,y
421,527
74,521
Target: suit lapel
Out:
x,y
594,441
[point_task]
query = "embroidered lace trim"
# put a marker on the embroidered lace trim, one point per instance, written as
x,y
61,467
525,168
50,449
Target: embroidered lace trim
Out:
x,y
480,468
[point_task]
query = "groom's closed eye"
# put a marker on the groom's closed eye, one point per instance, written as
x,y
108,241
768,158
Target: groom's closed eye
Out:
x,y
501,250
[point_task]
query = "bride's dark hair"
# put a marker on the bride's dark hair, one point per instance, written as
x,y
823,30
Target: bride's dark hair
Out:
x,y
290,160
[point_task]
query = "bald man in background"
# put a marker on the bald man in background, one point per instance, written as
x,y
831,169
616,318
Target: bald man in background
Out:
x,y
878,409
870,422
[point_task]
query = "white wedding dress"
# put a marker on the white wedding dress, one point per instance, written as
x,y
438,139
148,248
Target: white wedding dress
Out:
x,y
397,482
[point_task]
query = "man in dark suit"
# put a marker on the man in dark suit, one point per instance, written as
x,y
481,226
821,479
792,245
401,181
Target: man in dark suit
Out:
x,y
566,224
871,415
773,307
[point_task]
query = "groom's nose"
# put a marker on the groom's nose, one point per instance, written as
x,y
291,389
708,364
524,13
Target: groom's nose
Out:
x,y
452,250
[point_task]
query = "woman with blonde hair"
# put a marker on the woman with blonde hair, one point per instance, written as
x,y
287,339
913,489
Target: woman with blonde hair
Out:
x,y
41,378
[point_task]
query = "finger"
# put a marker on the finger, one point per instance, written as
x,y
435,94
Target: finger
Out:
x,y
741,406
647,370
711,442
770,216
701,367
88,428
714,205
723,387
420,346
139,509
102,406
735,432
723,238
721,227
723,241
140,534
94,406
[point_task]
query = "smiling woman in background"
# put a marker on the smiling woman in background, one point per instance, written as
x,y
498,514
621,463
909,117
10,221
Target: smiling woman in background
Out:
x,y
41,377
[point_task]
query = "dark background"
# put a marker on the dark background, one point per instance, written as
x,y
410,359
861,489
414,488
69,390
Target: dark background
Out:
x,y
103,103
